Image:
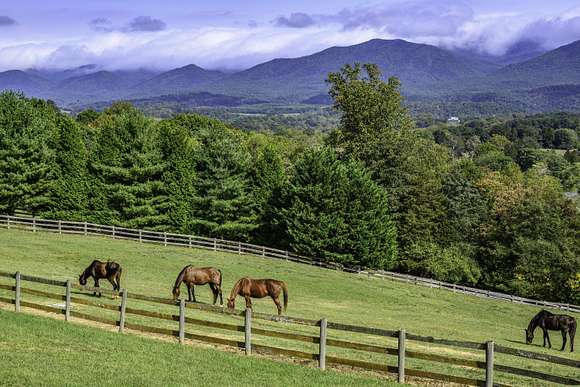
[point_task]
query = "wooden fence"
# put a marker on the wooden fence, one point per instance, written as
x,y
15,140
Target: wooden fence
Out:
x,y
171,239
323,340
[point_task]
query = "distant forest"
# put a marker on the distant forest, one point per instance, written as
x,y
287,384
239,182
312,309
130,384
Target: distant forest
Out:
x,y
490,202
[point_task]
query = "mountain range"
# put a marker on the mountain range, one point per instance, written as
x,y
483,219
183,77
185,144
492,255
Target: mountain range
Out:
x,y
427,73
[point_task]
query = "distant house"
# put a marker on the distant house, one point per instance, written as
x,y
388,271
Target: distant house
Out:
x,y
453,121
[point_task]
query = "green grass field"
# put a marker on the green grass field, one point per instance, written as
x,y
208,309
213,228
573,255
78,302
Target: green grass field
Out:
x,y
314,293
41,351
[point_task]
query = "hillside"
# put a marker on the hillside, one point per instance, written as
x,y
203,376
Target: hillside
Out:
x,y
314,293
419,66
177,81
28,83
135,360
559,66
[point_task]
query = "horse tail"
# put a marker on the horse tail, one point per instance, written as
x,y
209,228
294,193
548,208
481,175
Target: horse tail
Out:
x,y
221,278
119,272
285,289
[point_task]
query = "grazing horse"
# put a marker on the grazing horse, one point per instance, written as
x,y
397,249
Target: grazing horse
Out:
x,y
98,270
553,322
259,288
199,276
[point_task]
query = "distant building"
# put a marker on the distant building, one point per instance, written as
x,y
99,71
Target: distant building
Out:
x,y
453,121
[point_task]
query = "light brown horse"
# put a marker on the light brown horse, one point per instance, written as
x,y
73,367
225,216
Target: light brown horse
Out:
x,y
98,270
259,288
199,276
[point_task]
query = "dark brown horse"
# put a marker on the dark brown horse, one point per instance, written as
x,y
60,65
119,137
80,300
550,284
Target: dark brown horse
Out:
x,y
553,322
199,276
98,270
259,288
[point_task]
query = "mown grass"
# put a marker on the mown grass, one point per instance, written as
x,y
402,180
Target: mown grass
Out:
x,y
314,293
41,351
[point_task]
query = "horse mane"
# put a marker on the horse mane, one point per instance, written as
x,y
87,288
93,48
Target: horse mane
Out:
x,y
236,289
535,321
180,276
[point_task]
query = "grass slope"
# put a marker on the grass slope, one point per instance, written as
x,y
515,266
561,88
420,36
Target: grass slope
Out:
x,y
314,293
42,351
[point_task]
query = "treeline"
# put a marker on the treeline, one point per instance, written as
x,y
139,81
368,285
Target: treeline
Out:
x,y
376,192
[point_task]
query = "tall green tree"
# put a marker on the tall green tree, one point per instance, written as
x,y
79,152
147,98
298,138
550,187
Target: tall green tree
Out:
x,y
335,211
223,205
27,163
377,129
128,168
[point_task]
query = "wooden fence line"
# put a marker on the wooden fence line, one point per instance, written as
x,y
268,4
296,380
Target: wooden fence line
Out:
x,y
401,352
215,244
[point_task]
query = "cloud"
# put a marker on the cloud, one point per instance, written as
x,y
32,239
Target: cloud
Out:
x,y
295,20
146,24
101,24
6,21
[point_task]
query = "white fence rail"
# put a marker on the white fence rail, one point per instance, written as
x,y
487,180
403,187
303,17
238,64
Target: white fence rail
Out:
x,y
215,244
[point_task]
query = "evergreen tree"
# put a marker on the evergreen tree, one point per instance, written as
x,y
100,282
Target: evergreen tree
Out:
x,y
128,168
27,164
337,213
223,205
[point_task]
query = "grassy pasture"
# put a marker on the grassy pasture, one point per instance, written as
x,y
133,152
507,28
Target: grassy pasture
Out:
x,y
314,293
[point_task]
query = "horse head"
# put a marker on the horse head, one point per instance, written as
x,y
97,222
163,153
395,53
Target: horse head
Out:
x,y
231,303
529,336
82,279
176,292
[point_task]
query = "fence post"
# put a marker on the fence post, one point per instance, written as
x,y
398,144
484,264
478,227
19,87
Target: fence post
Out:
x,y
240,248
322,346
67,304
33,224
248,331
401,363
214,244
113,231
165,238
181,320
286,254
86,228
189,241
123,306
59,227
140,235
263,251
489,364
17,291
8,221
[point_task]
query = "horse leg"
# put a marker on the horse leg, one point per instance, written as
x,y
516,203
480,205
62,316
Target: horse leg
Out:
x,y
563,340
248,302
278,305
114,286
214,292
189,296
219,292
97,293
548,336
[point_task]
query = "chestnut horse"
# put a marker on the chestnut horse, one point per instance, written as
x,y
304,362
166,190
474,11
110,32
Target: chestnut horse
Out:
x,y
553,322
199,276
98,270
259,288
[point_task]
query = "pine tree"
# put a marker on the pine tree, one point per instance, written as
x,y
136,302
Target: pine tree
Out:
x,y
223,205
27,164
337,213
128,167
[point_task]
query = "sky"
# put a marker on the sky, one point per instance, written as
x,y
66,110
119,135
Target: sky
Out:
x,y
228,34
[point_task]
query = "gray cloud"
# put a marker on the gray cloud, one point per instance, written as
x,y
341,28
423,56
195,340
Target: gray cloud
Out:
x,y
6,21
553,32
101,24
295,20
146,24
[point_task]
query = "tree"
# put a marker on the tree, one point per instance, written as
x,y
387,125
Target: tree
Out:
x,y
377,130
334,211
128,169
223,205
27,164
565,139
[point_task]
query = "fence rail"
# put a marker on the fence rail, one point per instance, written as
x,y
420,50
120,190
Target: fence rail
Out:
x,y
483,350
